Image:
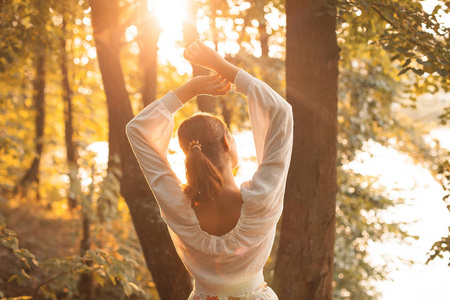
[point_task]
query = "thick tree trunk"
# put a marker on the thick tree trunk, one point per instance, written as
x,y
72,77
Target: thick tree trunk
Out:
x,y
171,278
32,175
305,256
149,32
71,151
190,34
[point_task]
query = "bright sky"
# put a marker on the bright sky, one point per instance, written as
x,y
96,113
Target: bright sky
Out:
x,y
171,21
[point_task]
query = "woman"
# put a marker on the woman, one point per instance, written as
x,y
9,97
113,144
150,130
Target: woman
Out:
x,y
223,233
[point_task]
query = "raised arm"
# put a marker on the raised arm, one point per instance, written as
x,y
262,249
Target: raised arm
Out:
x,y
272,125
149,134
200,54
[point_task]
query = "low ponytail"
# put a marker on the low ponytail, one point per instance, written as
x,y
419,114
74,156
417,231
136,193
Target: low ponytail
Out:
x,y
203,177
201,139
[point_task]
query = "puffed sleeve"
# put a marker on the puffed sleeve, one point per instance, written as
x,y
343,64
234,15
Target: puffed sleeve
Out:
x,y
149,134
272,125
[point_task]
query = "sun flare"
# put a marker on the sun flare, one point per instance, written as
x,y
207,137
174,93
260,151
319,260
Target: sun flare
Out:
x,y
170,13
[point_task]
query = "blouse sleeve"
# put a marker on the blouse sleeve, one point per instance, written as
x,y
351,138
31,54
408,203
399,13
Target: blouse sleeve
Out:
x,y
149,134
272,125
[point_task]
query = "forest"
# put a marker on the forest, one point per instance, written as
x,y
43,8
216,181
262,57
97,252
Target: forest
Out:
x,y
77,218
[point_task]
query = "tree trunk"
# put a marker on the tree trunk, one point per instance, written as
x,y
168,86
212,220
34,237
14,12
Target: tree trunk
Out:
x,y
71,151
226,111
149,32
262,30
171,278
304,264
190,34
86,283
266,73
32,175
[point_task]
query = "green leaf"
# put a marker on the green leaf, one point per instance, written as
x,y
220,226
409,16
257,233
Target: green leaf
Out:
x,y
10,232
98,259
11,242
395,57
402,49
52,263
123,252
127,288
25,274
424,63
12,278
26,253
112,278
407,62
418,71
47,293
134,286
443,72
84,269
99,279
388,47
404,71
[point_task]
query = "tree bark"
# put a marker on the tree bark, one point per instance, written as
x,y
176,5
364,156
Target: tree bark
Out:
x,y
204,102
305,256
32,175
262,30
71,151
171,278
148,36
86,283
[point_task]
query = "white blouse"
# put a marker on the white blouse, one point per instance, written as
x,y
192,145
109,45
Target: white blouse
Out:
x,y
231,264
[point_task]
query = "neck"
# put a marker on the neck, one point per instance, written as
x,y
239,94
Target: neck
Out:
x,y
228,178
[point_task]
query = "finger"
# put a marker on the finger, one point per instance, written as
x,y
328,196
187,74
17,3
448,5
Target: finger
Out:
x,y
201,44
218,80
194,48
219,87
225,90
212,79
187,55
227,86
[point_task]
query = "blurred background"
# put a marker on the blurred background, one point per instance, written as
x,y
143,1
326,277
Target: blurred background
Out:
x,y
73,72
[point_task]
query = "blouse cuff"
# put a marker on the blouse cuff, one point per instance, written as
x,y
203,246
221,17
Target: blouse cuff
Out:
x,y
171,102
242,81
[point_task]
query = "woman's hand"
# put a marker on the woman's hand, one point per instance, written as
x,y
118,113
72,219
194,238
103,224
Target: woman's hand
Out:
x,y
200,54
209,85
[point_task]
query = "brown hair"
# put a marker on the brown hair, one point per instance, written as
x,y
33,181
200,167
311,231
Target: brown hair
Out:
x,y
203,159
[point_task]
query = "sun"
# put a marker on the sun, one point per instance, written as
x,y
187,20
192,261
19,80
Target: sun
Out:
x,y
170,13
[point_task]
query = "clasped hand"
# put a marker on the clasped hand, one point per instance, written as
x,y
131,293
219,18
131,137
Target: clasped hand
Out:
x,y
210,85
216,84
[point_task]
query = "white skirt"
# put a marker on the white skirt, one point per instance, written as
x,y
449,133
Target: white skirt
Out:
x,y
260,293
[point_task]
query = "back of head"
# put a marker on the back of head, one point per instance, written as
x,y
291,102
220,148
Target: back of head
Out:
x,y
201,138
